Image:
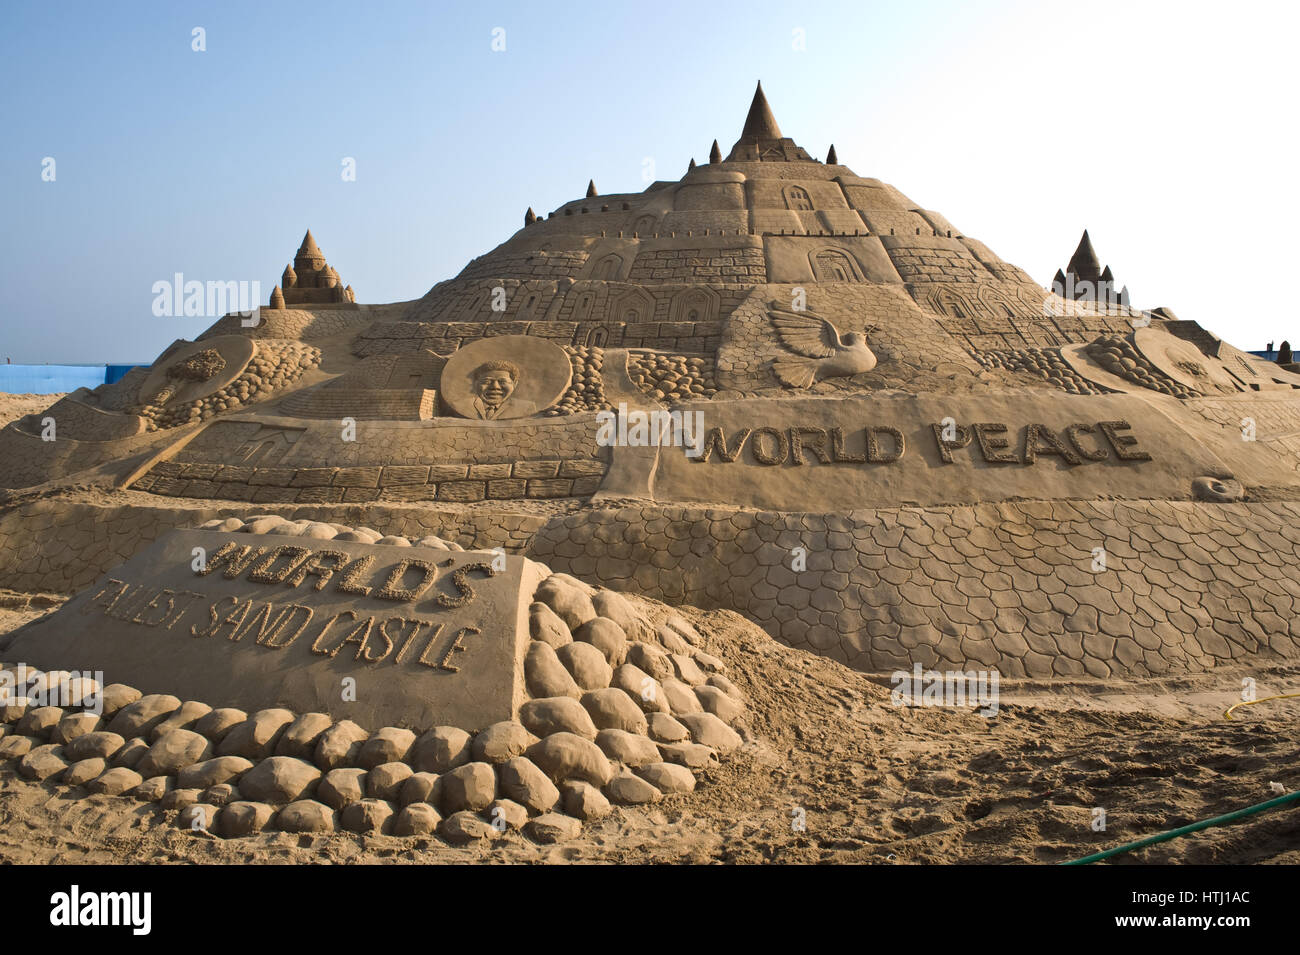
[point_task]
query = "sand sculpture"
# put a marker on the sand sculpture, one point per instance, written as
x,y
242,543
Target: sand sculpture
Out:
x,y
773,386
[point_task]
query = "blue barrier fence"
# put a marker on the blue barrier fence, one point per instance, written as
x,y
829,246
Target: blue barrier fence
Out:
x,y
55,379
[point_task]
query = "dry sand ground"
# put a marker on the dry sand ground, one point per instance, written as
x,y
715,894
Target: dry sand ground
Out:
x,y
878,784
13,407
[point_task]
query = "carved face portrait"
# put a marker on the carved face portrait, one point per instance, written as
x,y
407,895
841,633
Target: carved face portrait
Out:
x,y
494,382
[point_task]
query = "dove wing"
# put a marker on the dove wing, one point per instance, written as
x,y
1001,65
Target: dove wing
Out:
x,y
806,335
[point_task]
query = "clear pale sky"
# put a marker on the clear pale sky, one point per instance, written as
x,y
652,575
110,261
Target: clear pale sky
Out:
x,y
1166,129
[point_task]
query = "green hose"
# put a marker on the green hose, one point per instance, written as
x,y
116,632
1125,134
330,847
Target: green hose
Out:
x,y
1194,827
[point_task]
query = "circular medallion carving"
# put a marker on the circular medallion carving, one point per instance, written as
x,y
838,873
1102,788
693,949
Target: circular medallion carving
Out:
x,y
1183,362
197,370
506,376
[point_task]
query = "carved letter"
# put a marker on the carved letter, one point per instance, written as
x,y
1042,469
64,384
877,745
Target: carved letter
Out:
x,y
777,454
715,439
1072,433
1040,439
874,454
946,448
992,444
1124,444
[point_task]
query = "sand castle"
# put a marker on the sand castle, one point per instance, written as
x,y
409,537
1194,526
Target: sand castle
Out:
x,y
772,386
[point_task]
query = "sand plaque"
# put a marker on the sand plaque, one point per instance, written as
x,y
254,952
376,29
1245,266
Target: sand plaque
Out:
x,y
506,376
423,635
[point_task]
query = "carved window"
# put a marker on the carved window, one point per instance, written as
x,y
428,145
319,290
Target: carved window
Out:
x,y
796,197
832,266
608,268
644,225
597,337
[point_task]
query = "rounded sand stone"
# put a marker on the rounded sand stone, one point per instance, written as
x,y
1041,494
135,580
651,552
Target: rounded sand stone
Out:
x,y
217,724
521,780
707,730
681,698
506,815
717,702
138,718
564,755
502,741
83,771
560,714
582,800
243,818
130,754
630,749
116,696
650,659
176,799
366,816
213,772
606,636
419,787
387,745
184,718
279,779
663,728
305,815
97,743
173,751
668,777
417,819
441,749
257,736
590,669
671,641
43,762
545,675
339,745
471,787
544,625
569,602
687,671
611,708
301,736
341,786
198,817
220,794
154,789
115,782
75,725
614,606
644,689
552,827
690,755
385,781
629,790
463,827
39,722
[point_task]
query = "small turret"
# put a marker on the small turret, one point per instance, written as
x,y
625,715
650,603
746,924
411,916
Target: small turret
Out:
x,y
691,167
715,154
277,298
289,278
591,189
530,216
831,158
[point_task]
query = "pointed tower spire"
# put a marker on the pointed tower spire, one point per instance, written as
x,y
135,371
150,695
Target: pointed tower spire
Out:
x,y
831,158
530,216
277,298
1083,264
692,165
760,123
715,154
591,189
308,246
761,139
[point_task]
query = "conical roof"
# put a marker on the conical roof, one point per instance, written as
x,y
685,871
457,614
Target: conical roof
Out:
x,y
1084,264
308,246
760,124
